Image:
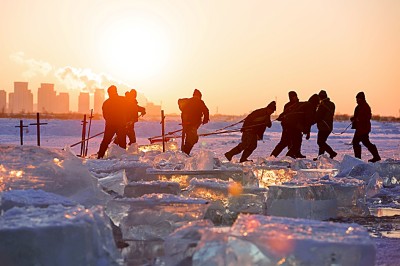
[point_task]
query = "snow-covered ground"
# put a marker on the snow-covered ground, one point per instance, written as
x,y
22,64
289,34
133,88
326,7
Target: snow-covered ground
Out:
x,y
59,172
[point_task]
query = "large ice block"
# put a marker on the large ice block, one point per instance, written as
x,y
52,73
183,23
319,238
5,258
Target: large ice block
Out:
x,y
287,241
114,183
227,199
272,175
347,164
389,168
179,246
313,201
31,197
152,217
308,175
140,188
56,235
184,177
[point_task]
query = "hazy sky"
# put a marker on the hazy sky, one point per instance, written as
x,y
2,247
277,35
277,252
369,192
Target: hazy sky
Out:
x,y
240,54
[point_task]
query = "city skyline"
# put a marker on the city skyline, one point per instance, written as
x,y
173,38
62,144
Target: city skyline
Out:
x,y
21,100
240,54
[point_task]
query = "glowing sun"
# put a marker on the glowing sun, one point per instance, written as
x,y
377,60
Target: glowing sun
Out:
x,y
134,48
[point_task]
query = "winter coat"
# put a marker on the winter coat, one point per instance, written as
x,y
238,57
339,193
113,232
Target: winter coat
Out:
x,y
288,108
362,118
115,110
324,116
134,109
194,111
257,121
303,115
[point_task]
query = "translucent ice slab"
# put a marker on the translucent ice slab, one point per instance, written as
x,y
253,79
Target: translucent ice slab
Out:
x,y
314,201
56,235
140,188
183,177
152,217
272,175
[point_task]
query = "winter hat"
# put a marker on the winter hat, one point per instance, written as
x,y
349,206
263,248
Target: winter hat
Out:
x,y
112,89
272,106
322,95
360,95
196,92
314,99
292,94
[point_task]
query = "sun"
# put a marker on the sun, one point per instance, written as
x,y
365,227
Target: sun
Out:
x,y
134,48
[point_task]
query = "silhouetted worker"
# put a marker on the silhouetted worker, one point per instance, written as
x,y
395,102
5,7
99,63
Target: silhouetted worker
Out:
x,y
194,113
252,130
286,131
115,114
361,122
300,120
133,115
324,117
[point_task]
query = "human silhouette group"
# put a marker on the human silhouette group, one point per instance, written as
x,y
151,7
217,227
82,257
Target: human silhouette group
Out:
x,y
121,114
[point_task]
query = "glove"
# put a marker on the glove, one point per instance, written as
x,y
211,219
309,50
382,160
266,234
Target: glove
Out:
x,y
205,121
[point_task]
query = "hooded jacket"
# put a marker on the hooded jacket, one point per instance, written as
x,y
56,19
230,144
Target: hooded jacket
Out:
x,y
324,116
362,118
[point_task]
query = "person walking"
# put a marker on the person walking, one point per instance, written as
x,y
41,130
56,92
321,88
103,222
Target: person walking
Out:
x,y
361,122
300,121
115,114
324,117
286,130
194,113
252,130
133,114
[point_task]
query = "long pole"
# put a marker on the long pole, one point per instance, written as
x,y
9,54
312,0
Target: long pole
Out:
x,y
88,134
163,130
83,136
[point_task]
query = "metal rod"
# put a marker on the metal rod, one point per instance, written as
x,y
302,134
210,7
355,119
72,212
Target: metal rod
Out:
x,y
163,129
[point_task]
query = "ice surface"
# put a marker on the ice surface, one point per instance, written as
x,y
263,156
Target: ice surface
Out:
x,y
140,188
375,184
278,240
202,160
56,235
152,217
324,162
272,175
314,201
389,168
34,198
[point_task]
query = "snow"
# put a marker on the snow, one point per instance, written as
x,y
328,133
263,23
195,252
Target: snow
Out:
x,y
80,183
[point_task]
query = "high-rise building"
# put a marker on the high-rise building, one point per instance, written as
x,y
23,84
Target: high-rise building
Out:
x,y
21,100
62,103
83,103
98,100
152,109
46,98
3,101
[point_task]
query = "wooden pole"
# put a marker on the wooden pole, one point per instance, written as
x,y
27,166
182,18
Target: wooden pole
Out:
x,y
21,131
83,143
163,129
38,124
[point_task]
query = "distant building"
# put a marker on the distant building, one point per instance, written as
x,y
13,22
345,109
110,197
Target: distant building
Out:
x,y
62,103
3,101
152,109
47,100
21,100
98,101
83,103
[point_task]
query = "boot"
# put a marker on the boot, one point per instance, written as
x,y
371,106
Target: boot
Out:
x,y
233,152
357,151
375,154
245,155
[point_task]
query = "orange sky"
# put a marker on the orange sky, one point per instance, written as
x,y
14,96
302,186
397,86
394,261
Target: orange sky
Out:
x,y
240,54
